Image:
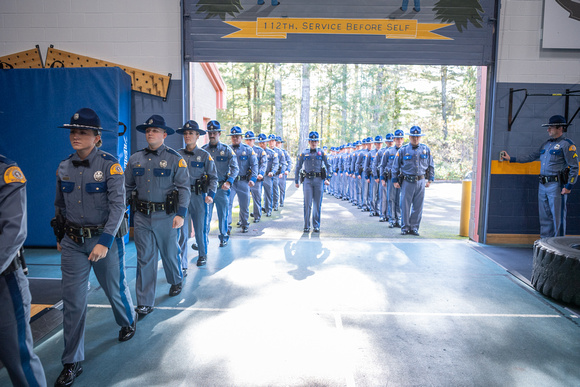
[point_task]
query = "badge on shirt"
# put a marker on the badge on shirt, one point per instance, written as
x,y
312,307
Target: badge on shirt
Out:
x,y
243,153
557,146
116,169
98,176
424,151
182,163
222,153
198,158
163,163
14,175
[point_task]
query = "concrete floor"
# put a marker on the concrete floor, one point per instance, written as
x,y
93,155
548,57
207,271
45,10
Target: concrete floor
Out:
x,y
319,310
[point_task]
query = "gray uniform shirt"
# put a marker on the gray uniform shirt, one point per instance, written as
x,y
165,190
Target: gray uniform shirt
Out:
x,y
411,160
262,160
247,161
154,174
92,195
199,162
311,161
226,162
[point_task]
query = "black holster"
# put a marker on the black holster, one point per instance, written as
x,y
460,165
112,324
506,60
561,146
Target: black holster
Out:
x,y
123,227
172,202
323,173
564,175
302,176
57,224
400,179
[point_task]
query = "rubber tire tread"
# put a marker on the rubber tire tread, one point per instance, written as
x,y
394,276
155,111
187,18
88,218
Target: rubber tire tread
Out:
x,y
556,268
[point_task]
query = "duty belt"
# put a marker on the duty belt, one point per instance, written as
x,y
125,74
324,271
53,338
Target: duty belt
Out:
x,y
14,265
244,178
413,178
312,175
79,233
147,208
548,179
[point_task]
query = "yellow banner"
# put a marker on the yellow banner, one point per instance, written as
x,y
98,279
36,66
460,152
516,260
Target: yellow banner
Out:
x,y
279,28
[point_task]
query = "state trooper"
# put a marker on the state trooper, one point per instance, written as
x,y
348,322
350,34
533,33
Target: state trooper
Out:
x,y
271,169
278,174
284,175
246,179
373,176
344,165
16,353
362,175
256,190
312,169
227,169
157,183
203,183
333,160
383,189
558,173
413,170
325,187
393,194
355,187
90,224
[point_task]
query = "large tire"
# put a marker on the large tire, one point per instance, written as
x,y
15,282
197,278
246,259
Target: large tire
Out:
x,y
556,270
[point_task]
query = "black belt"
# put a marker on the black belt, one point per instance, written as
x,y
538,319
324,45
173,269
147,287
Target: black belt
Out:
x,y
548,179
79,233
413,178
312,175
244,178
14,265
147,208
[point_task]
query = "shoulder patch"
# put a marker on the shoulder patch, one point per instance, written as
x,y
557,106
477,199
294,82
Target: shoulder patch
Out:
x,y
14,175
209,158
116,169
572,148
182,163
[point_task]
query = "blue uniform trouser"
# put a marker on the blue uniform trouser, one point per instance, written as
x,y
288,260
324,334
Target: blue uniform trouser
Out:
x,y
154,236
412,197
268,193
16,346
275,192
241,189
198,213
282,188
365,192
394,203
384,199
312,201
374,196
552,210
221,201
110,272
357,190
256,192
416,3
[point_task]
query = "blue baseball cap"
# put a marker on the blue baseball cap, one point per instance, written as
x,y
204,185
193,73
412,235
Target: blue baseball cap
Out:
x,y
190,125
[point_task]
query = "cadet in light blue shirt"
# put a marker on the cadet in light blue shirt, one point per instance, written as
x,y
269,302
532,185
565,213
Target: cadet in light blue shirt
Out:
x,y
283,164
414,163
227,169
315,170
558,173
284,175
90,207
256,190
271,169
248,174
157,181
203,183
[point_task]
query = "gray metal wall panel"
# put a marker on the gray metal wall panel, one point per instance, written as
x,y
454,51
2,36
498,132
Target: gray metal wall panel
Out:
x,y
205,42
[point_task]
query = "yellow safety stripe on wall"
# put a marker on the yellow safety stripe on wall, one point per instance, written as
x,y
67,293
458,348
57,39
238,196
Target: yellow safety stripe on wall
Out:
x,y
507,168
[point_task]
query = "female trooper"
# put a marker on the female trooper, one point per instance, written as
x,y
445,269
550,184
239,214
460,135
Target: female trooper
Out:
x,y
203,180
90,207
314,169
413,170
248,174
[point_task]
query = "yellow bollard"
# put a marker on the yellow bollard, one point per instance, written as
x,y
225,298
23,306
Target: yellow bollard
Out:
x,y
465,208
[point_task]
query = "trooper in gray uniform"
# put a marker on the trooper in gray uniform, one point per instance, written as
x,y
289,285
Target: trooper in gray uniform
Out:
x,y
277,174
384,188
394,194
246,179
413,170
16,353
203,182
271,169
90,208
256,190
558,173
313,170
374,178
158,186
226,164
284,175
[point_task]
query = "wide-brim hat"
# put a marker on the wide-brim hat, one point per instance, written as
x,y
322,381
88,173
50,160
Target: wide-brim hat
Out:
x,y
415,131
191,125
378,139
235,131
155,121
262,138
556,120
85,118
399,134
214,126
271,137
249,135
313,136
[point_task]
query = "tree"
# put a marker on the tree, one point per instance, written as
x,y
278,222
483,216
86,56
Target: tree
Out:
x,y
305,106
